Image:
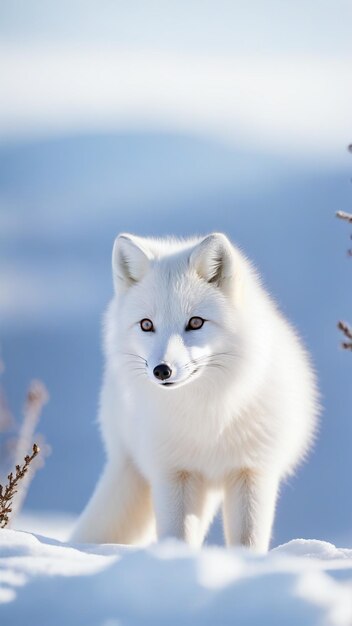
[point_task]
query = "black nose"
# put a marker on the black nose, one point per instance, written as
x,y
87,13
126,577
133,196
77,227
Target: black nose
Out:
x,y
162,371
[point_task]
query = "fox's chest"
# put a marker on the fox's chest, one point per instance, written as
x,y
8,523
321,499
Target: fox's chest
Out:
x,y
206,438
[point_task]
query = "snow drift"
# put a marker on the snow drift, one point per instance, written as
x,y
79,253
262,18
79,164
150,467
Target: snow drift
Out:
x,y
46,582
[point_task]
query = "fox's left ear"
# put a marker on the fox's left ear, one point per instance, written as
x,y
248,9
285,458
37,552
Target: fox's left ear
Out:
x,y
213,259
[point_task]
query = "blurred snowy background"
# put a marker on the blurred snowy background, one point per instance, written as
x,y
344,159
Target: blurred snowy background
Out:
x,y
173,118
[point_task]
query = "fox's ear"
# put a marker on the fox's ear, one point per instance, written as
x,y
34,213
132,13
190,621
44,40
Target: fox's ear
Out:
x,y
129,261
213,260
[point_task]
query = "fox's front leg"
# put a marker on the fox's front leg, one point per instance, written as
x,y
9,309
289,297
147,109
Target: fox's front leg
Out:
x,y
249,508
180,502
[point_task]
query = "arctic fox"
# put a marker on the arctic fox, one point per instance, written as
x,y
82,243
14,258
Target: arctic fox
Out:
x,y
208,397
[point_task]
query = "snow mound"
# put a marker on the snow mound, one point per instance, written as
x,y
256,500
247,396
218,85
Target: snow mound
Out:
x,y
46,582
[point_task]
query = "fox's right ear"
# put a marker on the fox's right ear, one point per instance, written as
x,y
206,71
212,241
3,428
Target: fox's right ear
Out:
x,y
129,261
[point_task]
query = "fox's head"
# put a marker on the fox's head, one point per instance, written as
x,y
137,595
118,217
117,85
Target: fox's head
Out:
x,y
177,308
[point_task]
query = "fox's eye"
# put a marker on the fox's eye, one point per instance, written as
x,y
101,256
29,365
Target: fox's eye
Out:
x,y
195,323
146,325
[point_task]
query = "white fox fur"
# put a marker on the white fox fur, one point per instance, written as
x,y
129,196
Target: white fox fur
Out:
x,y
239,416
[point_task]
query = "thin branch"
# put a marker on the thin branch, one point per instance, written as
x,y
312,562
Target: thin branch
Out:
x,y
347,331
7,493
342,326
37,396
344,216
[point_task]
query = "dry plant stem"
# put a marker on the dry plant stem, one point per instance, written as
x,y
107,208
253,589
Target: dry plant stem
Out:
x,y
345,328
7,493
347,331
7,424
37,396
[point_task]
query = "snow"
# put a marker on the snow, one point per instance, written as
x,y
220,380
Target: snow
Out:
x,y
54,524
44,581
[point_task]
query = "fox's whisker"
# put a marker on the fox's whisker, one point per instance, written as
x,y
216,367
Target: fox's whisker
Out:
x,y
137,356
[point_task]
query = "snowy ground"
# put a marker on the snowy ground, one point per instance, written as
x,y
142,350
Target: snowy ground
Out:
x,y
44,582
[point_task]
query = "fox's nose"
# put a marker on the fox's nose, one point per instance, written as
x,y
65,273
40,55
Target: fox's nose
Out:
x,y
162,371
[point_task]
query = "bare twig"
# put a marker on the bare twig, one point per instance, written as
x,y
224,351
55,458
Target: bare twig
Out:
x,y
347,331
345,328
37,396
7,493
16,443
344,216
348,218
7,425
